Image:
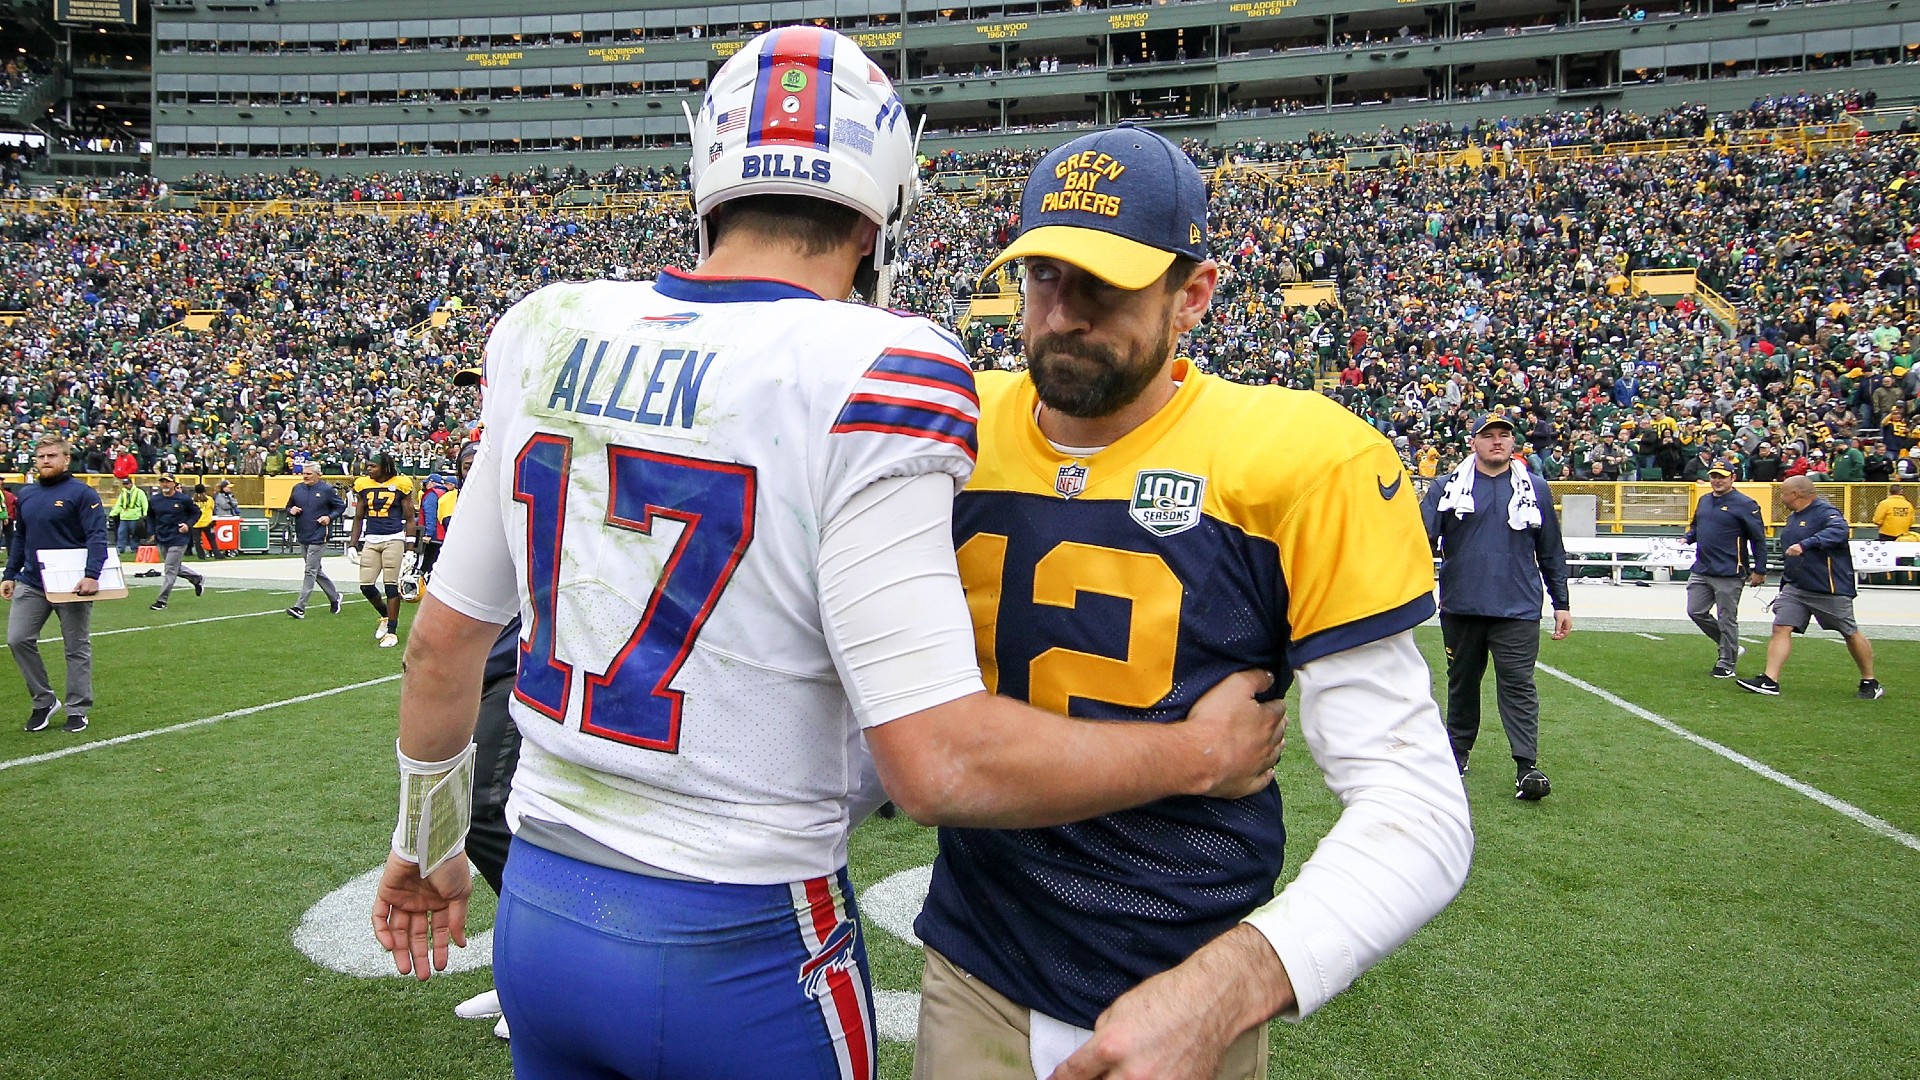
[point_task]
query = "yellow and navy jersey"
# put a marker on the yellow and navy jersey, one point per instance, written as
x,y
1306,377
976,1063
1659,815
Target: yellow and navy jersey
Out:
x,y
1240,527
380,502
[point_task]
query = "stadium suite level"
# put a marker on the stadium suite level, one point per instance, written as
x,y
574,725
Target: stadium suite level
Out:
x,y
283,86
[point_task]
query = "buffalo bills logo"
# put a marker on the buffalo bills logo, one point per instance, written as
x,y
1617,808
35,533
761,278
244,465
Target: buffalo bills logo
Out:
x,y
677,319
837,953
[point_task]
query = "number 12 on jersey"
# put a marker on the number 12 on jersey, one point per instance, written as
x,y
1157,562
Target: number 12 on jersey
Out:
x,y
631,702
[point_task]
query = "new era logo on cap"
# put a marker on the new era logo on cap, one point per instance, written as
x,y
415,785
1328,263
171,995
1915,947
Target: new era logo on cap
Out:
x,y
1119,204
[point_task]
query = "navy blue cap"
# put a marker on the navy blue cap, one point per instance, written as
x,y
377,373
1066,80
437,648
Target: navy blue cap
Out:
x,y
1118,204
1487,420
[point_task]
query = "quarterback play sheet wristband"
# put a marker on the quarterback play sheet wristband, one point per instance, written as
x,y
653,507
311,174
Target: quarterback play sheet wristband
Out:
x,y
436,807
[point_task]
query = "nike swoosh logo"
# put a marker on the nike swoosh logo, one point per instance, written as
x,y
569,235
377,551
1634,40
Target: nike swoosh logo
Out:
x,y
1388,491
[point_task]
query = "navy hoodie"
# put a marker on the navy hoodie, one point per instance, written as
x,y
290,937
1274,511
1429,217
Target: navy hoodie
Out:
x,y
60,513
1487,567
1728,536
1825,562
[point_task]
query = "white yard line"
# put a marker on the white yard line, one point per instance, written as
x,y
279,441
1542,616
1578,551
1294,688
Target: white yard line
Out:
x,y
1884,828
1651,637
135,736
170,625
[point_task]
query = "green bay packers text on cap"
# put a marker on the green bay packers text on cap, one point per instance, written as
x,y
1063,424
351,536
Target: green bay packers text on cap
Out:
x,y
1079,174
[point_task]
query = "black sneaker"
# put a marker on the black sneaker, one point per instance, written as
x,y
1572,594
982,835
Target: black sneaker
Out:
x,y
333,605
157,605
1461,763
1723,671
1760,684
297,612
37,721
1871,690
75,723
199,585
1532,786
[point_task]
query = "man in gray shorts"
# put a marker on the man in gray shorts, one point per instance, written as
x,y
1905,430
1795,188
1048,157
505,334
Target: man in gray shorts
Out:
x,y
1818,584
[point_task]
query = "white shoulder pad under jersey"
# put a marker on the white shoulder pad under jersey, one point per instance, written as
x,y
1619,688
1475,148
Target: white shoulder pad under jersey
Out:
x,y
660,460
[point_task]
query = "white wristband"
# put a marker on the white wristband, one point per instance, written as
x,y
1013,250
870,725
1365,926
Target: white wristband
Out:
x,y
436,807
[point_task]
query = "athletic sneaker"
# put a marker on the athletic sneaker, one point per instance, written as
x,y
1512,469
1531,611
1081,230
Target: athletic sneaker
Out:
x,y
157,605
1532,786
297,612
1871,690
333,605
199,586
379,629
75,723
1461,762
1723,670
500,1029
388,641
1760,684
479,1006
37,720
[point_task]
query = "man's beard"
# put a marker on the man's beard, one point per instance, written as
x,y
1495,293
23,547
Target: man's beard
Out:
x,y
1090,381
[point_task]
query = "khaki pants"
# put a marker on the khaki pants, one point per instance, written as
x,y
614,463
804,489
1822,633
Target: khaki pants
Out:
x,y
969,1031
381,558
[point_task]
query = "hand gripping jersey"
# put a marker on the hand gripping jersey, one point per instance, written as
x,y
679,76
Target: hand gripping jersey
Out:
x,y
380,505
1238,528
659,462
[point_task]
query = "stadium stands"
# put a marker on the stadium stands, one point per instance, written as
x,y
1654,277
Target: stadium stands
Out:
x,y
230,324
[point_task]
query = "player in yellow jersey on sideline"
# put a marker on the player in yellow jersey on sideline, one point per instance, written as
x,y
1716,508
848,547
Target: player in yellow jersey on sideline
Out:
x,y
383,530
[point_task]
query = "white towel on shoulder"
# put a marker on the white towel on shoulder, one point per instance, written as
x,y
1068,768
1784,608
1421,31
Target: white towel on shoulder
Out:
x,y
1523,510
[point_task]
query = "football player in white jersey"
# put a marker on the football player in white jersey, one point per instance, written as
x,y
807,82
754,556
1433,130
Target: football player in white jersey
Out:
x,y
721,504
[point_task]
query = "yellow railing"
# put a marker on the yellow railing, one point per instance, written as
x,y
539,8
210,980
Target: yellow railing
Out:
x,y
1719,306
1623,507
1681,281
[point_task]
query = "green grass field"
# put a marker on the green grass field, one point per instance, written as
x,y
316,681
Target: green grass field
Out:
x,y
1667,913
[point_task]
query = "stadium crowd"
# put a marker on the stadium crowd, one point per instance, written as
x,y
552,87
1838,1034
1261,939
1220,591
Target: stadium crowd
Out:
x,y
1459,289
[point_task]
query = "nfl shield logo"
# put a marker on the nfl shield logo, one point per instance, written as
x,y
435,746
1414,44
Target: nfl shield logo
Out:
x,y
1071,480
1167,502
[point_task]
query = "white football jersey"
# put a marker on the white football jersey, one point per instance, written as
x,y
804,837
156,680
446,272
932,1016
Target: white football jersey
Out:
x,y
658,463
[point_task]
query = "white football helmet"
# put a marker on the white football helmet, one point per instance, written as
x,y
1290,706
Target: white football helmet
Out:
x,y
801,111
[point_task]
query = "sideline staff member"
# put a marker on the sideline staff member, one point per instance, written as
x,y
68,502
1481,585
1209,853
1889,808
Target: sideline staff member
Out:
x,y
56,511
1893,518
1729,540
314,504
1817,583
1499,539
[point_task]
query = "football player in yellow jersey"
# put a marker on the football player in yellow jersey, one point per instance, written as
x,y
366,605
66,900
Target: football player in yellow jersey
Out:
x,y
1134,530
384,529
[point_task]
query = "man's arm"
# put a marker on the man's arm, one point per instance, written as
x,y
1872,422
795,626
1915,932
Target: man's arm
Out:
x,y
948,752
1833,534
1753,533
359,521
416,917
1398,854
1552,552
93,524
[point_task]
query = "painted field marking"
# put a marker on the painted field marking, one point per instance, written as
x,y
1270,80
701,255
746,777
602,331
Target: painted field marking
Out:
x,y
203,721
1878,825
169,626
